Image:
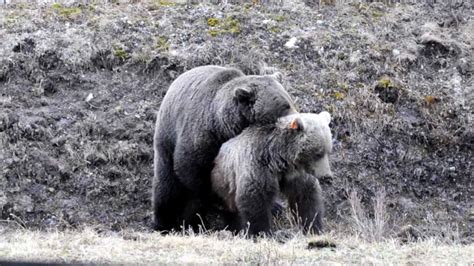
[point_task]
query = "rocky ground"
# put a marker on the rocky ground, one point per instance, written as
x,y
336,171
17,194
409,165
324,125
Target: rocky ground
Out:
x,y
80,86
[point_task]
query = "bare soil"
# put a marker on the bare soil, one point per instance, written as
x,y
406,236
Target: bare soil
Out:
x,y
80,86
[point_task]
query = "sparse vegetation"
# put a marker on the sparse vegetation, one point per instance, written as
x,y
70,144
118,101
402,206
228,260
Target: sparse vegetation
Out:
x,y
66,13
121,53
384,82
130,247
160,4
212,22
162,43
371,229
80,86
229,25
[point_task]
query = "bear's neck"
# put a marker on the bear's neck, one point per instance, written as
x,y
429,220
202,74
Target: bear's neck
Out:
x,y
278,150
226,122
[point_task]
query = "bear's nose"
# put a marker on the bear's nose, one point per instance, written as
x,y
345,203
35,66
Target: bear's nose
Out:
x,y
326,179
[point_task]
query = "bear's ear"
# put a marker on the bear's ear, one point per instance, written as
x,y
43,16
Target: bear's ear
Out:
x,y
296,124
326,117
242,94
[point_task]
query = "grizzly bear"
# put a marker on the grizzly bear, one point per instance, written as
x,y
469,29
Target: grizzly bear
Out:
x,y
288,156
203,108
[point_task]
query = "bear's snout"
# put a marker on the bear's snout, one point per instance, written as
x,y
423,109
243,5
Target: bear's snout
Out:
x,y
322,169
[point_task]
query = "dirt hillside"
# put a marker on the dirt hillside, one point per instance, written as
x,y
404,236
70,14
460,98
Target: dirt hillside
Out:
x,y
80,86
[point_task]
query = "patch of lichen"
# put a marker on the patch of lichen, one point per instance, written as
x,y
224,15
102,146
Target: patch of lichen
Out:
x,y
384,82
338,95
212,22
343,85
275,29
10,20
377,14
361,7
213,33
247,7
228,25
232,25
369,11
120,53
157,4
66,13
279,18
341,92
162,43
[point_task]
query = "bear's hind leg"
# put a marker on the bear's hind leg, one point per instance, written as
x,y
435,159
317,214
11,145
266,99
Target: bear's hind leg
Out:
x,y
192,167
168,198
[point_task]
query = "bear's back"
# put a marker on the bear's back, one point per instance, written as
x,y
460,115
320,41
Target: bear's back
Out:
x,y
190,95
234,160
197,85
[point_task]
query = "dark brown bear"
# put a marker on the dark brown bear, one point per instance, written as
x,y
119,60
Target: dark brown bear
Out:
x,y
202,109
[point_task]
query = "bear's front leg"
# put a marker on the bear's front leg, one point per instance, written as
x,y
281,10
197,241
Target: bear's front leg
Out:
x,y
254,203
306,203
255,216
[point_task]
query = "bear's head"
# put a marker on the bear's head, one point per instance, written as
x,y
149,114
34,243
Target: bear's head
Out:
x,y
311,141
262,99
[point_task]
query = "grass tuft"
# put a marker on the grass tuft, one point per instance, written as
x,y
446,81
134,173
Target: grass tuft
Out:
x,y
369,228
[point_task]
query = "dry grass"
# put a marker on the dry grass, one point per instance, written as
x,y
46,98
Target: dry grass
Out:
x,y
371,229
88,246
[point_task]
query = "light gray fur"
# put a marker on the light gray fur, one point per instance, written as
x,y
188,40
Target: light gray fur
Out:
x,y
254,167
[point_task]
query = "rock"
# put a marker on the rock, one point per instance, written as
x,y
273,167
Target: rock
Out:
x,y
321,243
408,234
291,43
89,97
395,52
470,216
23,203
96,158
465,66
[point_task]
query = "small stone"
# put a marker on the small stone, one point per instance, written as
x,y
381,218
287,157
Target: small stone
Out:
x,y
396,52
408,233
291,43
321,243
471,216
89,97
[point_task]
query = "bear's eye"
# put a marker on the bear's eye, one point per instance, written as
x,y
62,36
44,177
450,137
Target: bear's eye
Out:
x,y
318,156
